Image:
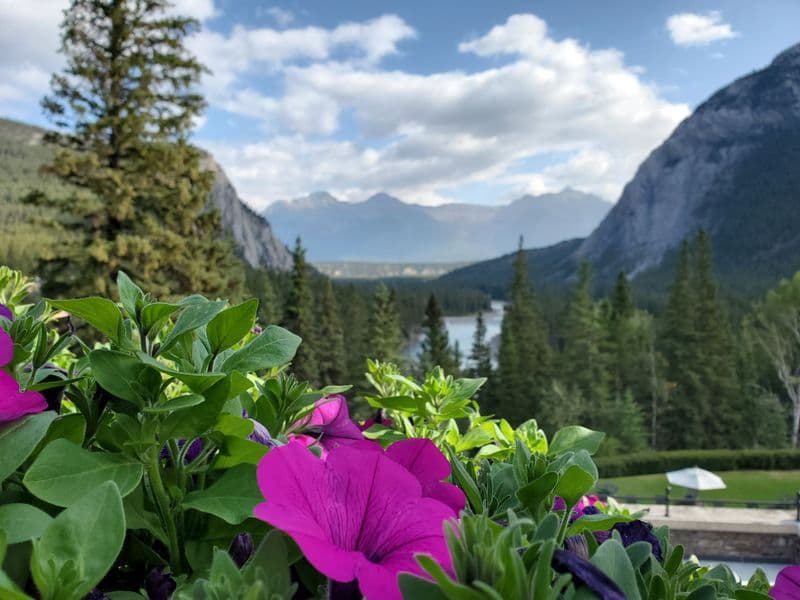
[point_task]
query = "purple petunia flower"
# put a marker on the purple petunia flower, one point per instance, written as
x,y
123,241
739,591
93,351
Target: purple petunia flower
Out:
x,y
329,424
6,312
192,452
159,585
587,574
241,548
260,434
787,584
639,531
358,515
15,403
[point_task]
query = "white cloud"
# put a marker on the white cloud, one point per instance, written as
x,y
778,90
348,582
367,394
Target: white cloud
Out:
x,y
421,133
281,16
201,10
693,29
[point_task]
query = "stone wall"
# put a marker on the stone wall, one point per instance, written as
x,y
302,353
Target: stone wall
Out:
x,y
749,546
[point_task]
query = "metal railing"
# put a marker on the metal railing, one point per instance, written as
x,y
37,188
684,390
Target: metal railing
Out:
x,y
668,500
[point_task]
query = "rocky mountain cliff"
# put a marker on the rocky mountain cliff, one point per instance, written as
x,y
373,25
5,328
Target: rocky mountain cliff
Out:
x,y
731,168
253,234
385,229
694,179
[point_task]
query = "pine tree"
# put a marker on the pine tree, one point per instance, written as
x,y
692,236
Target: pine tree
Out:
x,y
681,423
524,357
330,346
386,337
622,305
299,318
436,349
356,314
583,362
124,107
722,410
480,356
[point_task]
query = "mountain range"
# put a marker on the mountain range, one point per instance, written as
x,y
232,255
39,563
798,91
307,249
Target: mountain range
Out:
x,y
386,229
731,168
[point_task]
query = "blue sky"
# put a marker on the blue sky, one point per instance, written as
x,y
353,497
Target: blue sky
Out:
x,y
437,101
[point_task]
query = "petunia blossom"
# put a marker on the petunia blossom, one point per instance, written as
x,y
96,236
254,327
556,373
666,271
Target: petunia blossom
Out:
x,y
639,531
585,573
356,516
6,312
425,461
15,403
787,584
329,424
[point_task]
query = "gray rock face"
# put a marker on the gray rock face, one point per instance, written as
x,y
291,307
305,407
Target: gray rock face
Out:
x,y
252,233
667,200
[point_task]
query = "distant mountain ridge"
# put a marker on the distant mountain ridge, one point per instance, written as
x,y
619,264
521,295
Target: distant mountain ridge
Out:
x,y
731,168
384,228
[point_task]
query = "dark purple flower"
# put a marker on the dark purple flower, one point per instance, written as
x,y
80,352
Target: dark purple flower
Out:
x,y
241,548
584,572
639,531
559,504
159,585
96,594
6,312
577,545
192,452
260,434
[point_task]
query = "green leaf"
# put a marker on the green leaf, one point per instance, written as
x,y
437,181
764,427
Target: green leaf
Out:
x,y
153,315
194,315
137,517
273,347
179,403
70,426
401,403
573,484
270,558
22,522
231,325
576,437
416,588
531,494
80,546
63,472
612,559
465,481
130,294
704,592
100,313
236,451
125,376
598,522
231,498
197,382
19,438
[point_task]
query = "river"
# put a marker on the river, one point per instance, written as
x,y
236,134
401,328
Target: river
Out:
x,y
461,330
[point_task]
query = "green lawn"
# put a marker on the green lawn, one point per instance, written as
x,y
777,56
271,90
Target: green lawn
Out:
x,y
742,485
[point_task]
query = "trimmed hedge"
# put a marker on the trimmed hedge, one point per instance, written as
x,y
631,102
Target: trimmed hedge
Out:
x,y
645,463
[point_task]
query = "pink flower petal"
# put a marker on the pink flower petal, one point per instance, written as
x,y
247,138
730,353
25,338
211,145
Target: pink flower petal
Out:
x,y
446,493
6,348
421,457
787,584
358,514
14,403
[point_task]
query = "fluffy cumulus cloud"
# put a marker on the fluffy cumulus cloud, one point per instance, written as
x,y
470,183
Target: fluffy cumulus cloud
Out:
x,y
693,29
422,135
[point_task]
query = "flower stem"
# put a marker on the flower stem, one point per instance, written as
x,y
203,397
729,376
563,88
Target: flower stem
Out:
x,y
163,503
338,590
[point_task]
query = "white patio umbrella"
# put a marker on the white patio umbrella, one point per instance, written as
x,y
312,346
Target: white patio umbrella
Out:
x,y
696,478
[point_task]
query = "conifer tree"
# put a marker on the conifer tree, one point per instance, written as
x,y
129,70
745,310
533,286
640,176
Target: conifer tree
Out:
x,y
436,349
386,337
356,314
331,350
583,363
480,356
299,318
524,357
123,108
